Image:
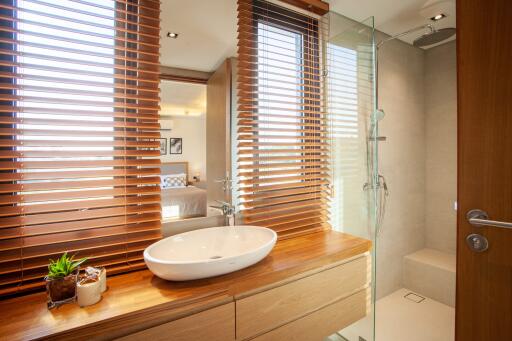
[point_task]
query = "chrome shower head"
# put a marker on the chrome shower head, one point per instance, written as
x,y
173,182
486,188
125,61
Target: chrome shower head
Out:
x,y
434,36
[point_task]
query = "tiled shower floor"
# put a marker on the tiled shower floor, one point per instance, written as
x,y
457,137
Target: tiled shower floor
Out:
x,y
400,319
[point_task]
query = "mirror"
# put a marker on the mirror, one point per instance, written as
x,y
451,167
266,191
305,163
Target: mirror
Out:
x,y
183,150
196,84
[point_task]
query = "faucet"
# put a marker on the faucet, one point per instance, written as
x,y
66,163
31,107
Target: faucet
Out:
x,y
228,211
226,182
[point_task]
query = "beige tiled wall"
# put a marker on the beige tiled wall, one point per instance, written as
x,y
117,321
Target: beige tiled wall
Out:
x,y
401,159
441,146
417,90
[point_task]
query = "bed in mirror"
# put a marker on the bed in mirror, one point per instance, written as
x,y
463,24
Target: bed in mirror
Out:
x,y
181,198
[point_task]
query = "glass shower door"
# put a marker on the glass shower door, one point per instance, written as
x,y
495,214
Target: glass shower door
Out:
x,y
350,102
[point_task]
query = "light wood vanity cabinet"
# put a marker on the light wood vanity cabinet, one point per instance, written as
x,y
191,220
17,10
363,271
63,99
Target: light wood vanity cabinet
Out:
x,y
323,322
216,324
270,309
308,307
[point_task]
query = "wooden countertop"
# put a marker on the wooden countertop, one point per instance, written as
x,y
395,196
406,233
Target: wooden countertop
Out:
x,y
142,298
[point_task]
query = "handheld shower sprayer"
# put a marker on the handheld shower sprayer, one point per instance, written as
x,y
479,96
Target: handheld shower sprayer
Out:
x,y
376,116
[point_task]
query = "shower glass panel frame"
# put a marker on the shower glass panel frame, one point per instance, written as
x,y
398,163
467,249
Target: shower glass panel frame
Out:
x,y
350,65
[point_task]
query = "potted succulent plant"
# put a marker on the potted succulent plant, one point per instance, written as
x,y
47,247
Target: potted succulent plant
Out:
x,y
61,280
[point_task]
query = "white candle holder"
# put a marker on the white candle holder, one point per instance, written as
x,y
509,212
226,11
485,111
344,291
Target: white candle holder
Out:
x,y
88,293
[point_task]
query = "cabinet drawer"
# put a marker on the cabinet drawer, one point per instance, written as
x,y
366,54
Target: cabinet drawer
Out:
x,y
273,308
324,322
216,324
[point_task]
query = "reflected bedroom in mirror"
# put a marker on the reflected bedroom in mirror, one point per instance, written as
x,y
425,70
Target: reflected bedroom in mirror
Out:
x,y
194,149
183,170
195,110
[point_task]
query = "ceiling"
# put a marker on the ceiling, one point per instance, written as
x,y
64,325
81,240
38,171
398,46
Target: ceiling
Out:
x,y
182,99
207,28
207,33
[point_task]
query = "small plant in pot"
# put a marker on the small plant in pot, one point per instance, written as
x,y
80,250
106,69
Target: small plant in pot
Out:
x,y
61,280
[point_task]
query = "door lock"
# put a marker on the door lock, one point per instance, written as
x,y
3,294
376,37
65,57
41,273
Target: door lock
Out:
x,y
477,242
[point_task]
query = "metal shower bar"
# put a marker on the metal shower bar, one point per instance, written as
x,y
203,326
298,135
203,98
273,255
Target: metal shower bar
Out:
x,y
396,36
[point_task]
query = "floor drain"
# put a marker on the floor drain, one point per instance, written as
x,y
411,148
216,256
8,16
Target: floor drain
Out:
x,y
215,257
414,297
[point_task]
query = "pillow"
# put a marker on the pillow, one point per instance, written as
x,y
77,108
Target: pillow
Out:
x,y
173,181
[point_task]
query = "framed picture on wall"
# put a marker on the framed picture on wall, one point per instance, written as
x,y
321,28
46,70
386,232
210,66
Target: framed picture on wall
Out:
x,y
163,146
176,145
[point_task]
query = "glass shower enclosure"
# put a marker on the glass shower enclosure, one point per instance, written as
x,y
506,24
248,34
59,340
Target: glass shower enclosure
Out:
x,y
351,104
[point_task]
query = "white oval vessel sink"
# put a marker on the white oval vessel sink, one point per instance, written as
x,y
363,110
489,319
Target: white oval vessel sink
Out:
x,y
209,252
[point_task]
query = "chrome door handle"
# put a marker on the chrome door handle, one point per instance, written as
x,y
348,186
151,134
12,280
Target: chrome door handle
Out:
x,y
481,218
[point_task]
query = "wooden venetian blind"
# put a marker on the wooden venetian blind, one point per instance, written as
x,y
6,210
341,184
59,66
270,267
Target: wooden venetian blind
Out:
x,y
283,147
78,121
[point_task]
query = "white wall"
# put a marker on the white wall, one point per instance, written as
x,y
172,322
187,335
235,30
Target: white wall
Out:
x,y
192,129
441,148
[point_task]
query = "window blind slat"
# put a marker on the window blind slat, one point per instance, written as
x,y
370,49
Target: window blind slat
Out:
x,y
62,91
76,225
61,165
62,185
12,154
115,172
146,116
80,205
88,246
79,103
134,124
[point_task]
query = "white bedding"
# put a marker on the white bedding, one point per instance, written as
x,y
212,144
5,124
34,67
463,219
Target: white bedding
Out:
x,y
183,202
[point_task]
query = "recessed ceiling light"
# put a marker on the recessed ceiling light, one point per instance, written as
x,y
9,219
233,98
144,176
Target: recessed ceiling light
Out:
x,y
438,17
172,35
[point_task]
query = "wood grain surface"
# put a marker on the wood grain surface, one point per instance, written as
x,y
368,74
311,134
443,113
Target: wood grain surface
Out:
x,y
140,300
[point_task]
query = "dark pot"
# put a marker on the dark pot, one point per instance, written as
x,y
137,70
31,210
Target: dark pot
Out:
x,y
61,290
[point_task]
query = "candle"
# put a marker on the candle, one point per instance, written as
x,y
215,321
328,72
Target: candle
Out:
x,y
103,279
88,292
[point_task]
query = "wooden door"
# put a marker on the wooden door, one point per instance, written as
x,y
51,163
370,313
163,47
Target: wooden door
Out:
x,y
218,132
484,71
